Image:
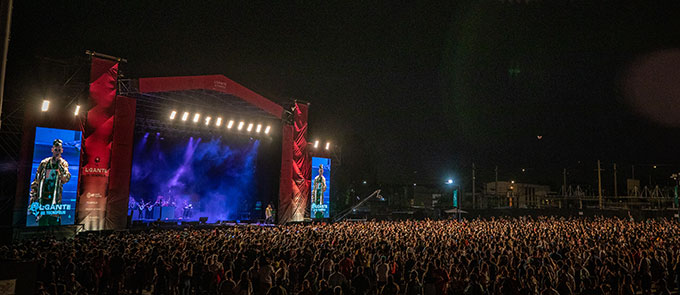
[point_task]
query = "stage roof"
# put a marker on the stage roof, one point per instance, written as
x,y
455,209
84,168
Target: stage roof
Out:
x,y
212,93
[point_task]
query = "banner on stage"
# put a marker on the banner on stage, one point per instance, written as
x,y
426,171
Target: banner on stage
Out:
x,y
97,142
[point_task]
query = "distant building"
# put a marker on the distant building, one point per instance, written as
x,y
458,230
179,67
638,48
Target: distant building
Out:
x,y
518,195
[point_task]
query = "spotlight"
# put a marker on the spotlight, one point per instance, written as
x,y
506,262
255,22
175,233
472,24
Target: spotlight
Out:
x,y
45,105
266,130
77,110
172,115
450,181
259,128
316,144
196,117
230,124
250,127
328,145
185,116
240,125
218,123
207,120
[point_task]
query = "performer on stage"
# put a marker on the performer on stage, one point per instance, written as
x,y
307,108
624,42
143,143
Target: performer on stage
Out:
x,y
269,214
318,187
47,187
188,207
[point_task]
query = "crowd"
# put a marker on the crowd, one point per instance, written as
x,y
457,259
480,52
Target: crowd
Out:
x,y
496,256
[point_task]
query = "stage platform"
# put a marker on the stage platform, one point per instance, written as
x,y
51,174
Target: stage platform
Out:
x,y
194,223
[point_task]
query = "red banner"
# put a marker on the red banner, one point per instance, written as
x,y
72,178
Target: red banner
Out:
x,y
96,149
295,168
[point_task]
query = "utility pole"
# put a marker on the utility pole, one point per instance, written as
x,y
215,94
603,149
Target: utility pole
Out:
x,y
633,168
474,189
616,189
6,16
564,182
496,184
599,183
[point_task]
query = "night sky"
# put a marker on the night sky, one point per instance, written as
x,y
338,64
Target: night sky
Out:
x,y
412,91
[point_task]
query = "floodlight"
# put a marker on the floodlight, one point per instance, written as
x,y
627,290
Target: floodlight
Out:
x,y
250,127
196,117
259,128
266,130
240,125
230,124
185,116
218,122
207,120
45,105
172,115
316,144
75,113
328,145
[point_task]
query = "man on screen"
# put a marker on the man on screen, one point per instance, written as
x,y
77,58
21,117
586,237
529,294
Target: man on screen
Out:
x,y
318,187
47,187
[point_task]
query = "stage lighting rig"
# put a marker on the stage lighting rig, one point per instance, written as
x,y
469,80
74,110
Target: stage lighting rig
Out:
x,y
208,120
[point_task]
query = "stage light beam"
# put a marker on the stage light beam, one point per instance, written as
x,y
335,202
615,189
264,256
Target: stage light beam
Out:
x,y
218,122
172,115
45,105
316,144
185,116
328,145
250,127
196,117
207,120
266,130
75,113
258,128
240,125
230,124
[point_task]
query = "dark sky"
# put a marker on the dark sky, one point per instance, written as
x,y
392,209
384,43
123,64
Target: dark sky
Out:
x,y
412,91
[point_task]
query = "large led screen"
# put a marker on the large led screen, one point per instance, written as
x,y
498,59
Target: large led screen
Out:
x,y
321,184
54,177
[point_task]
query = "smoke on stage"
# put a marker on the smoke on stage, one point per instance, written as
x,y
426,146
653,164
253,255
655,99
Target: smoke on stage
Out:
x,y
214,175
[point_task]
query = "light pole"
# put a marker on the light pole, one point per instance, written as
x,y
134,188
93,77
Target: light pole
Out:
x,y
454,193
676,177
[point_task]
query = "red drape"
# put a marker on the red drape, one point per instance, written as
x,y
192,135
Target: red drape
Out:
x,y
121,166
295,168
97,140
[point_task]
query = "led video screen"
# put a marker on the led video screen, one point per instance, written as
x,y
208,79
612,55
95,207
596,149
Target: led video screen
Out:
x,y
54,177
321,184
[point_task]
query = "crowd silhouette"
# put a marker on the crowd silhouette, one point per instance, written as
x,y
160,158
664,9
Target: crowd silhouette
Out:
x,y
525,255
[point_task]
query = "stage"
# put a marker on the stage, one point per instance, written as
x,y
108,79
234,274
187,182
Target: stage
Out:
x,y
142,150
